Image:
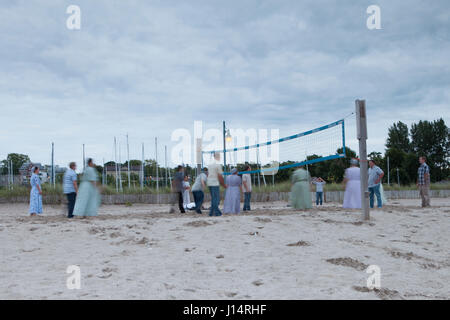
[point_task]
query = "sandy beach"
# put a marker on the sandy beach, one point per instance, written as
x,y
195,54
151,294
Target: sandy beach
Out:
x,y
143,252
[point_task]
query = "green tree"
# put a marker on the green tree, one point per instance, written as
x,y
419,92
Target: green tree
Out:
x,y
432,139
133,163
398,137
282,175
407,164
338,166
17,160
110,164
377,157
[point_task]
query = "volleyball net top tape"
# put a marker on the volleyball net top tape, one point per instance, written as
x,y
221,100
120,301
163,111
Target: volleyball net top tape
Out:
x,y
320,144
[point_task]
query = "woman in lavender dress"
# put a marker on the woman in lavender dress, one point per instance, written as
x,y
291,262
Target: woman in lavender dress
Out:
x,y
232,202
35,193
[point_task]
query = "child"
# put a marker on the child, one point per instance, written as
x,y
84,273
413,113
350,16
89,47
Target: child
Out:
x,y
319,182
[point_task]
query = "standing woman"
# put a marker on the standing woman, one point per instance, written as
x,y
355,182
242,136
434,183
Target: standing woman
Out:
x,y
186,189
35,193
88,198
300,192
232,203
352,195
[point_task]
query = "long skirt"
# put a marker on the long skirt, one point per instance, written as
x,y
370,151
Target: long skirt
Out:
x,y
88,200
35,201
383,196
301,195
352,195
232,203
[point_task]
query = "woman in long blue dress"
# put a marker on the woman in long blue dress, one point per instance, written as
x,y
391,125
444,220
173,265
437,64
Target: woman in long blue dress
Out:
x,y
88,197
300,193
232,203
35,193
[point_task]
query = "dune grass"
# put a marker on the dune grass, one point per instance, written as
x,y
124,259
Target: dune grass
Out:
x,y
286,187
20,191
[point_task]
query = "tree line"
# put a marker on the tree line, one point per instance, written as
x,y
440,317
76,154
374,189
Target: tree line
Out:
x,y
403,147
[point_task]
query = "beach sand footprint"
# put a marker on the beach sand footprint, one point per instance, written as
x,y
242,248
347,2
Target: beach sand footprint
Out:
x,y
115,235
382,293
230,294
258,283
348,262
200,223
299,244
108,272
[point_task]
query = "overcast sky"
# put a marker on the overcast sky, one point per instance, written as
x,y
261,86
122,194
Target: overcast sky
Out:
x,y
147,68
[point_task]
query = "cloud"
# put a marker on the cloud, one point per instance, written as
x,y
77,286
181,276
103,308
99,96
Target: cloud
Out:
x,y
148,68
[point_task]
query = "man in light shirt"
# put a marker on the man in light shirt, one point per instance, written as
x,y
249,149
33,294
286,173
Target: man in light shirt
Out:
x,y
247,187
375,176
214,180
70,187
197,190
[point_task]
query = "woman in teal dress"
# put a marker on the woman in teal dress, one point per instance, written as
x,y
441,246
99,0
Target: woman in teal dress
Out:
x,y
88,197
300,193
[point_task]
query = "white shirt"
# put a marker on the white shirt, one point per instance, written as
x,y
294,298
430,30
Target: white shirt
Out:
x,y
214,169
248,180
186,197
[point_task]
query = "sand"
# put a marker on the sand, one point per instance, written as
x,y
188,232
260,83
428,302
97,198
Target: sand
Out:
x,y
274,252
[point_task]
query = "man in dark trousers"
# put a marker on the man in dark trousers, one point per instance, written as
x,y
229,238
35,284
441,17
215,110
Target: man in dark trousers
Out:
x,y
70,187
177,189
423,181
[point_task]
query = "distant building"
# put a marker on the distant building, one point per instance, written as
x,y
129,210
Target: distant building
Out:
x,y
58,169
111,170
25,172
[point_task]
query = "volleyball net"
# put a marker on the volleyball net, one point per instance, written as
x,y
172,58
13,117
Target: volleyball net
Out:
x,y
269,156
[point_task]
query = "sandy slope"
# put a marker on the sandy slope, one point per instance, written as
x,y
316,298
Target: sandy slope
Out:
x,y
141,252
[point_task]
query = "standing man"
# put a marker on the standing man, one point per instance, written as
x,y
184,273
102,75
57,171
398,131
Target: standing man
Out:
x,y
423,181
247,187
214,180
375,176
177,189
319,182
70,187
197,190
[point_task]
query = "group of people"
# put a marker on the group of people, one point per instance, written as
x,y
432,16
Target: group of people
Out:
x,y
212,178
300,194
352,195
82,201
